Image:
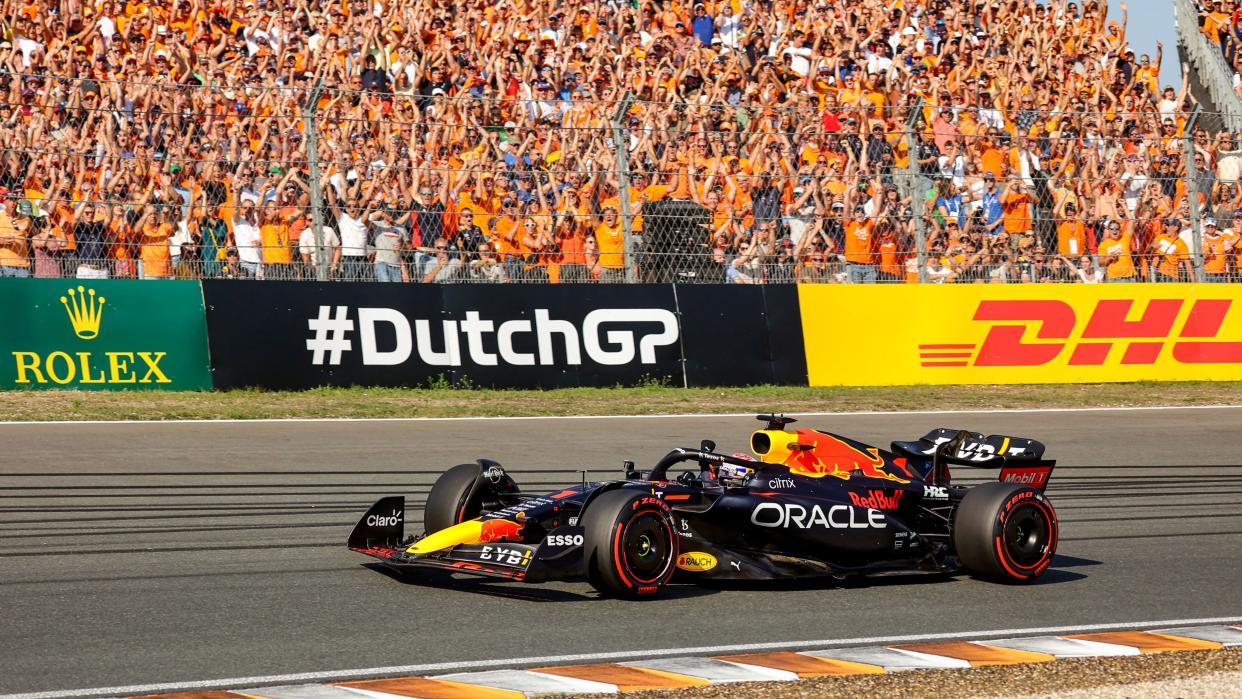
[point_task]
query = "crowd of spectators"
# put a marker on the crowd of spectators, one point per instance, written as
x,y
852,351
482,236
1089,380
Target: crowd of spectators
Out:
x,y
480,140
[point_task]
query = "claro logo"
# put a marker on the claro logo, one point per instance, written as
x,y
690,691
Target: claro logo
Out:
x,y
1142,339
391,520
492,343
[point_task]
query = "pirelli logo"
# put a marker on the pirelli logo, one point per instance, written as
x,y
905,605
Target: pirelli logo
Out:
x,y
1031,333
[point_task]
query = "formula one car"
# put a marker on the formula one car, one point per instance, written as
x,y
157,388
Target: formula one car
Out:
x,y
814,504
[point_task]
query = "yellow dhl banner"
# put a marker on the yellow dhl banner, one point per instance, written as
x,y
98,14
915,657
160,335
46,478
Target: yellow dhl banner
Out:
x,y
872,335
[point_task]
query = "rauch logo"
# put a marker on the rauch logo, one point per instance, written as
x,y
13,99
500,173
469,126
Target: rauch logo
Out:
x,y
1143,339
86,311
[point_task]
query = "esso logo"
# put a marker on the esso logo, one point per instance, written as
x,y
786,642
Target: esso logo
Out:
x,y
564,540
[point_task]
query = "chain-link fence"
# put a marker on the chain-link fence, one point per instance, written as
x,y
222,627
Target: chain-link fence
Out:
x,y
253,182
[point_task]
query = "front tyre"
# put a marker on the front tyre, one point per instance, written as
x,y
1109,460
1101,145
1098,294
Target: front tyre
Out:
x,y
630,543
1005,532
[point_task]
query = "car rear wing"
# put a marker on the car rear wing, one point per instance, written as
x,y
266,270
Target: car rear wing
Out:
x,y
1024,466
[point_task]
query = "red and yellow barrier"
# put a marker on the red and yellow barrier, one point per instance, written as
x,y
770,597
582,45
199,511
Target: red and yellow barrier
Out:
x,y
983,334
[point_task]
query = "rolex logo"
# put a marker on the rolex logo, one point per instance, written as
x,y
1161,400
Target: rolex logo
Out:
x,y
84,312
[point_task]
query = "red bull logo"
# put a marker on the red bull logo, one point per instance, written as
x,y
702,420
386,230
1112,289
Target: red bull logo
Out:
x,y
878,499
826,455
499,530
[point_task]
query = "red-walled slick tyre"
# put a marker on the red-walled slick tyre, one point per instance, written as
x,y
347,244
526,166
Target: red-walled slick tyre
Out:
x,y
1005,532
630,543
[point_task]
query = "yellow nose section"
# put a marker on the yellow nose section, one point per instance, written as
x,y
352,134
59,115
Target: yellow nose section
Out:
x,y
469,532
772,446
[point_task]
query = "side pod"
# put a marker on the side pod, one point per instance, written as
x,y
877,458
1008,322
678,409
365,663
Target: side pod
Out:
x,y
383,526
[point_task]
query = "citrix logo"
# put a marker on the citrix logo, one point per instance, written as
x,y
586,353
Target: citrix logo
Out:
x,y
603,345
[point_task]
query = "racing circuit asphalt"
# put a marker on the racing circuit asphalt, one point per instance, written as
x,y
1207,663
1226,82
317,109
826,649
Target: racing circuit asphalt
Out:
x,y
146,553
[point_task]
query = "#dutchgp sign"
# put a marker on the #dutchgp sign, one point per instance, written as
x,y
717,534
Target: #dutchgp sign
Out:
x,y
608,337
115,334
286,335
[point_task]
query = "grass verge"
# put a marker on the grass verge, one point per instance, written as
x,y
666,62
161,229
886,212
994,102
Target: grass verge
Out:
x,y
641,400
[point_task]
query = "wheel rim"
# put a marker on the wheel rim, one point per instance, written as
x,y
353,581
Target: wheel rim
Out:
x,y
646,547
1026,536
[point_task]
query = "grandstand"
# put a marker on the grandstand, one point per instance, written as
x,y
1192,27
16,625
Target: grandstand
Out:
x,y
738,141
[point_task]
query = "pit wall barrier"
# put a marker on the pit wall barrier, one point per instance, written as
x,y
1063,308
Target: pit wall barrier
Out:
x,y
186,335
1001,334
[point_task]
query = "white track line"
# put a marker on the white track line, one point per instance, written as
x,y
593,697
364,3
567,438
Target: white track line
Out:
x,y
856,413
336,675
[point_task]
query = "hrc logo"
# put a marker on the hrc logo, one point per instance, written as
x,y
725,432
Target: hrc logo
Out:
x,y
85,313
1054,322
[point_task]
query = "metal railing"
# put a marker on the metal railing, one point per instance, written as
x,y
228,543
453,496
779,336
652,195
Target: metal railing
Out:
x,y
1213,71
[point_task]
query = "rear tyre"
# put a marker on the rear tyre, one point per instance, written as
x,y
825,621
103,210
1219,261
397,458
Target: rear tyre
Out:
x,y
1005,532
456,497
630,543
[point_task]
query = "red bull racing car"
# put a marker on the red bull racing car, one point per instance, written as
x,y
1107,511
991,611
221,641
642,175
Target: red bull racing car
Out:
x,y
812,504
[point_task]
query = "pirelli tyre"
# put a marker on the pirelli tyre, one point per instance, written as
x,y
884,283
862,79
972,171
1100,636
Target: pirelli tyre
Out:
x,y
465,492
1005,532
629,543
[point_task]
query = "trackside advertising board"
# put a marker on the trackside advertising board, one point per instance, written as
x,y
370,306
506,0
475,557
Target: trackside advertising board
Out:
x,y
305,334
107,334
1039,333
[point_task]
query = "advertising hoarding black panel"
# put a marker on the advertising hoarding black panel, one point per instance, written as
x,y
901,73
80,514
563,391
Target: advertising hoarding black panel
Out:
x,y
736,335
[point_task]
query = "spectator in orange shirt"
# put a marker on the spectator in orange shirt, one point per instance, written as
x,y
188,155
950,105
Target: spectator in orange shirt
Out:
x,y
277,252
1016,203
860,249
14,240
610,241
153,235
1071,234
1173,253
570,251
1218,247
1115,254
891,257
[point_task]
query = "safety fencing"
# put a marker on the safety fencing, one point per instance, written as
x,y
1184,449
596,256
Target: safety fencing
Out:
x,y
116,334
296,182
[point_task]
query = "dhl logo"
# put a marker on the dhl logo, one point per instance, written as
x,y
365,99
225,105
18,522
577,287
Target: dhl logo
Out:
x,y
1143,338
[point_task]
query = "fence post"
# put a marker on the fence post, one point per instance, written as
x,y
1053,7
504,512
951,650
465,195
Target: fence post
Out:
x,y
620,144
916,190
1192,191
316,196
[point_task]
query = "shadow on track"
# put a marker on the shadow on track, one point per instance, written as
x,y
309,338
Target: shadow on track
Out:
x,y
512,589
